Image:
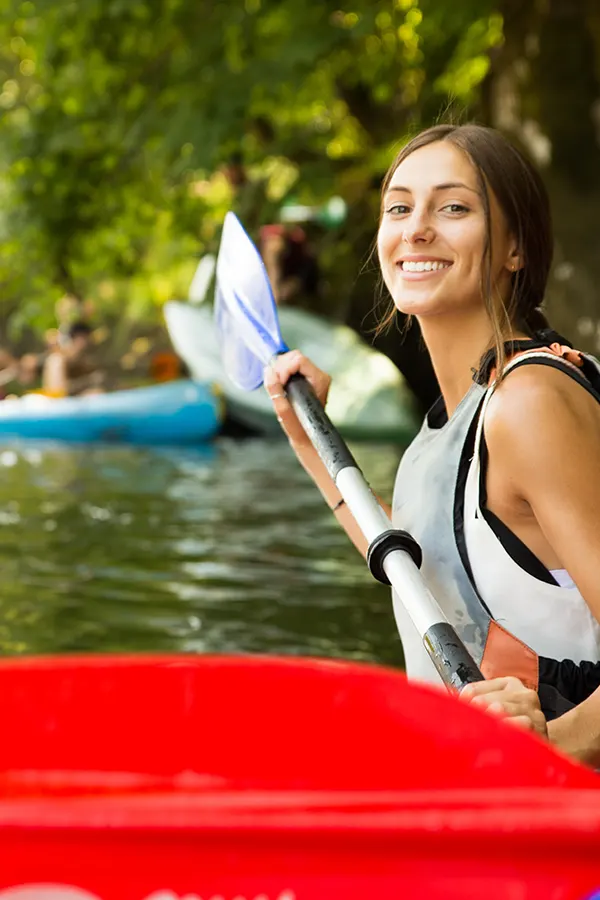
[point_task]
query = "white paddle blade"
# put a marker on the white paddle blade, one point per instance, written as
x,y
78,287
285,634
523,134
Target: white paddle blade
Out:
x,y
244,304
240,263
202,278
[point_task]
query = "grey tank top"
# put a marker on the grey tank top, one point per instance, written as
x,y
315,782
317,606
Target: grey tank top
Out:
x,y
423,504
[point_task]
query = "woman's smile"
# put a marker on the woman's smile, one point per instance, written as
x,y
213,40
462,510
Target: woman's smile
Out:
x,y
419,267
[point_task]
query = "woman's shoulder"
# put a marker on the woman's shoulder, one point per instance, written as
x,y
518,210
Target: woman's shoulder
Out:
x,y
534,404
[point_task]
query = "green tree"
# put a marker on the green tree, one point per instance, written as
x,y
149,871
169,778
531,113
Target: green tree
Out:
x,y
117,114
113,109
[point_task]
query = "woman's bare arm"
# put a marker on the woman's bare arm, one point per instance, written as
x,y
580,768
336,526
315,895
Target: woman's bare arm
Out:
x,y
543,435
578,731
544,431
276,376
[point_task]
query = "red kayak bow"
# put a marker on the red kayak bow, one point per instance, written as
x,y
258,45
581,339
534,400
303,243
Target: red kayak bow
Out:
x,y
249,778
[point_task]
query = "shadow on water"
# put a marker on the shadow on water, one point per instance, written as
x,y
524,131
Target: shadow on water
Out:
x,y
228,548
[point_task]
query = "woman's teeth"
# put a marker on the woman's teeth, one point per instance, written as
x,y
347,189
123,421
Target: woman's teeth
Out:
x,y
428,266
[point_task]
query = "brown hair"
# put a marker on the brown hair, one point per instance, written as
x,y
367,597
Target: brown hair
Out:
x,y
523,199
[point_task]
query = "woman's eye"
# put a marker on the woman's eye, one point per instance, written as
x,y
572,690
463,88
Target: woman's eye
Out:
x,y
397,209
456,208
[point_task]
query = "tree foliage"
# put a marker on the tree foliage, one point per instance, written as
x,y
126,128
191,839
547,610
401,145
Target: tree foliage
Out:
x,y
116,117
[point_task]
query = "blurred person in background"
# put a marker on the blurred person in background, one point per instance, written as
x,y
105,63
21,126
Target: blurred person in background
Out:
x,y
71,368
20,375
291,265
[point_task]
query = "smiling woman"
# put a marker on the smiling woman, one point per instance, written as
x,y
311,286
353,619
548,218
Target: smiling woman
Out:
x,y
478,217
504,503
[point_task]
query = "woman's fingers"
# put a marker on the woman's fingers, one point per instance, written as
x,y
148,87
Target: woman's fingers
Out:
x,y
508,697
522,714
509,707
492,686
283,367
529,724
276,377
283,409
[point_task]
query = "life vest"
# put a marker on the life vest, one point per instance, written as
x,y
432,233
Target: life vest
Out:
x,y
500,611
165,367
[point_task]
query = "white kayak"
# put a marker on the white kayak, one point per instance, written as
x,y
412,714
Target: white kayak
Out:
x,y
369,399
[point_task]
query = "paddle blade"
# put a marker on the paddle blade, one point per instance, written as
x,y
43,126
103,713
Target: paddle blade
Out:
x,y
243,365
245,309
202,278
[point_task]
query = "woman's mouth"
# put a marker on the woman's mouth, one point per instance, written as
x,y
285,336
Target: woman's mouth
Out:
x,y
420,266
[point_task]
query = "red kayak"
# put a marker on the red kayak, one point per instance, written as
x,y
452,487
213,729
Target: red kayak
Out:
x,y
250,778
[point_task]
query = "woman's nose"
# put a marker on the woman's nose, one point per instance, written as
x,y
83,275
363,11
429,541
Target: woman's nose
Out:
x,y
418,229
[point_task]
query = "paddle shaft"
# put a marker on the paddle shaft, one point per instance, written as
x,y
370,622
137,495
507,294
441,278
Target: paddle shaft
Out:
x,y
246,311
451,658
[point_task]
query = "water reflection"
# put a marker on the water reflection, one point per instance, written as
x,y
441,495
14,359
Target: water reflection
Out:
x,y
228,548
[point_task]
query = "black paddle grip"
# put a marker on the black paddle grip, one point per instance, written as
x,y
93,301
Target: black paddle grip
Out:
x,y
388,542
323,434
450,656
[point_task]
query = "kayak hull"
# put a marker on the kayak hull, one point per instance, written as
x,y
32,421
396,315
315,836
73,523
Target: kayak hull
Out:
x,y
178,412
368,400
164,778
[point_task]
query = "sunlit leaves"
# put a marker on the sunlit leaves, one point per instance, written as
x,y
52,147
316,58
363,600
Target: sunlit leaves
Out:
x,y
115,116
470,62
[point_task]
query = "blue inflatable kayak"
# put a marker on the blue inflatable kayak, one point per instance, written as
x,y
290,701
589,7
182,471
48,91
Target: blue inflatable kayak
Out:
x,y
178,412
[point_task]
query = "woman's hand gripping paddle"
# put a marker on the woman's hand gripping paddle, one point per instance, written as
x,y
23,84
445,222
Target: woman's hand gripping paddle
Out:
x,y
248,329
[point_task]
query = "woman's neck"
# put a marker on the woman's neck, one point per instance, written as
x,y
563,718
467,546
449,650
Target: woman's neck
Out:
x,y
456,345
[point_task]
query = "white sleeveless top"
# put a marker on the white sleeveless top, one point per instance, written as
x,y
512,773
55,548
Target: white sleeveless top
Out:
x,y
423,505
554,620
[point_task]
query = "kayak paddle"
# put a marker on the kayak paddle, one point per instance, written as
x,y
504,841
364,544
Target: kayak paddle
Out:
x,y
248,328
202,277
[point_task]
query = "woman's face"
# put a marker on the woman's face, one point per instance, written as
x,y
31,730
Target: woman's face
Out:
x,y
432,234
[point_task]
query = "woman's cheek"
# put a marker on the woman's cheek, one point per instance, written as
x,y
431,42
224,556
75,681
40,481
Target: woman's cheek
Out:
x,y
388,278
385,265
381,255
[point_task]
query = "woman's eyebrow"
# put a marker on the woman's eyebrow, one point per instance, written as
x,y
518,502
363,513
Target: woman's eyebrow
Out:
x,y
438,187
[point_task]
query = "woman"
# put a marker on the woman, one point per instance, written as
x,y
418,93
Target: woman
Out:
x,y
500,487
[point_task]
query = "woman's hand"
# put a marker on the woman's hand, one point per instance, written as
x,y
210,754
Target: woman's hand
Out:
x,y
509,698
276,377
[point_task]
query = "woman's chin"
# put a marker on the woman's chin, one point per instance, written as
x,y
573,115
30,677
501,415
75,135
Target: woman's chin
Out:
x,y
418,306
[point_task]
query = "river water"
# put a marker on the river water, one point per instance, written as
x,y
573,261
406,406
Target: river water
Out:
x,y
229,548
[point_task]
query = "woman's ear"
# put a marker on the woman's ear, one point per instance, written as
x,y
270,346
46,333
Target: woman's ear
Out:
x,y
515,260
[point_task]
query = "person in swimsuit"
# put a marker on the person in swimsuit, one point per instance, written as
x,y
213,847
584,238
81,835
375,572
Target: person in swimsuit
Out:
x,y
501,485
